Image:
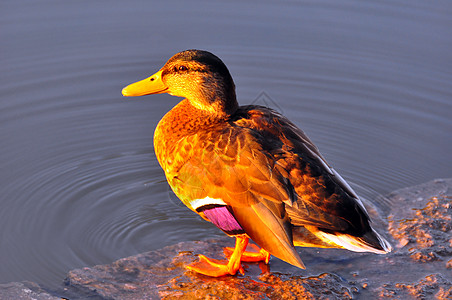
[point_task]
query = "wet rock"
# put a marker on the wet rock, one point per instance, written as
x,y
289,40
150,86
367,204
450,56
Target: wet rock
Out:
x,y
163,275
433,286
423,231
24,291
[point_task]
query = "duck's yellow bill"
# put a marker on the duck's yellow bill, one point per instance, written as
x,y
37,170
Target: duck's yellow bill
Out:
x,y
150,85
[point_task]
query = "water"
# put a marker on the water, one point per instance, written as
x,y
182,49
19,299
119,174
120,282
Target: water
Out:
x,y
369,82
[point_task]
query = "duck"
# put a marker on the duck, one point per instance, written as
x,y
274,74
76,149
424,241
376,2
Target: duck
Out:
x,y
250,171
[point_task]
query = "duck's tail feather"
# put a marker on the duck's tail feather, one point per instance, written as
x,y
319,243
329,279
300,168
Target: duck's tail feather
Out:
x,y
369,242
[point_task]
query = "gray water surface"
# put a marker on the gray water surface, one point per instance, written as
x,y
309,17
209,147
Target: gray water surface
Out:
x,y
370,83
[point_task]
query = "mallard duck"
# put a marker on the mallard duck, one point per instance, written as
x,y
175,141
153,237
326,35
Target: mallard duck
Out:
x,y
249,170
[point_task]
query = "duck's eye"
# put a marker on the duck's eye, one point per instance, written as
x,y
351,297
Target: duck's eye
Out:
x,y
183,68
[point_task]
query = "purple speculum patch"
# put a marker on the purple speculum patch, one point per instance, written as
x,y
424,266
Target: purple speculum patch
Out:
x,y
223,219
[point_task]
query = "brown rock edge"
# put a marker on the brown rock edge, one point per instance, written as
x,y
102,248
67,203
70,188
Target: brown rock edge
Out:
x,y
420,267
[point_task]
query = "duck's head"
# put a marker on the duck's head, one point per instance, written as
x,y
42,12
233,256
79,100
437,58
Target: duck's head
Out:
x,y
199,76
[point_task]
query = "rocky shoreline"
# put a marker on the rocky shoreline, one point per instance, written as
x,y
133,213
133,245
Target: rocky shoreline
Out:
x,y
420,267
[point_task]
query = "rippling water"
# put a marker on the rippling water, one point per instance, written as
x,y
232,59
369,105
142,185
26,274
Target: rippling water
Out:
x,y
369,82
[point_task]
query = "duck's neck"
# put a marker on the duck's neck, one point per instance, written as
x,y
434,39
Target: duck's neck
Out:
x,y
182,121
227,101
219,102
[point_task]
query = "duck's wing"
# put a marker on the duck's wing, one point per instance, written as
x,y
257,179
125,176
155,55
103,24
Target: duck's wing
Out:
x,y
226,177
300,143
323,198
325,204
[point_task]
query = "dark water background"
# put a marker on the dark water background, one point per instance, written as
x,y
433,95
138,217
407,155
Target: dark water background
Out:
x,y
370,82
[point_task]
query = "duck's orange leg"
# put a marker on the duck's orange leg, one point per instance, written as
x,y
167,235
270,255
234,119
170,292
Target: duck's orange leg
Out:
x,y
255,254
216,268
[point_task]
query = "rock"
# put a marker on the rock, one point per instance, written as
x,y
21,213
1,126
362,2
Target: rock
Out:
x,y
153,276
418,268
433,286
425,233
24,291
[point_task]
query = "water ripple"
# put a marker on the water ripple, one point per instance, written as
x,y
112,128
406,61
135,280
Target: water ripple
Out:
x,y
369,83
